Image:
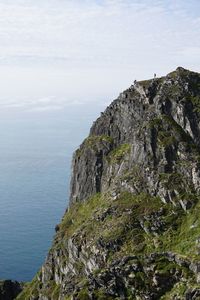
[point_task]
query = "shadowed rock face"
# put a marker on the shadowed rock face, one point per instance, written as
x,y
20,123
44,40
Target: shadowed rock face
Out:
x,y
9,289
132,229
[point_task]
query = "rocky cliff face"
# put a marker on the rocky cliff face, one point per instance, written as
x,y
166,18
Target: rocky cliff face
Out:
x,y
132,230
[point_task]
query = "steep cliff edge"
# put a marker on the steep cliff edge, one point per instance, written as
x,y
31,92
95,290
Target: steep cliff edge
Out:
x,y
132,230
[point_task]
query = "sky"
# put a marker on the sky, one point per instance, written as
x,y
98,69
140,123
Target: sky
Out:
x,y
60,53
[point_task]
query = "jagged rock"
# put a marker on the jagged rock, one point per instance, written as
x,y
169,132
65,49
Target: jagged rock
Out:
x,y
193,294
9,289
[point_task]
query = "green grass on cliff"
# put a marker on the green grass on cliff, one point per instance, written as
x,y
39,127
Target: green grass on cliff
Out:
x,y
126,226
93,142
88,217
118,154
169,131
79,214
196,103
108,219
93,139
30,290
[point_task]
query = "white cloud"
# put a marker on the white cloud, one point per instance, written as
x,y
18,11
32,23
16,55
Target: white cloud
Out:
x,y
45,104
82,33
190,53
45,108
85,48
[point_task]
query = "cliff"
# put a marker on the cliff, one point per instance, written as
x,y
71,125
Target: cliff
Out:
x,y
132,229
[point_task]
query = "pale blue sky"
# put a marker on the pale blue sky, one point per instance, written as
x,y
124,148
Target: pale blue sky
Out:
x,y
55,53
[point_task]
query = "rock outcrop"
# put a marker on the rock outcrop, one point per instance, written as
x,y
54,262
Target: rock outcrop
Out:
x,y
132,229
9,290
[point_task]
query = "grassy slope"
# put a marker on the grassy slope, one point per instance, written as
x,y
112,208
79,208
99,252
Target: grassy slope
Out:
x,y
179,234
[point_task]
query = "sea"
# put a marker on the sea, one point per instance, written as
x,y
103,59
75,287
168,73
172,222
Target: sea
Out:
x,y
35,167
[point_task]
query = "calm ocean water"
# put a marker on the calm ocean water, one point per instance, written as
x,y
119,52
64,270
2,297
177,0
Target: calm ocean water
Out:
x,y
35,159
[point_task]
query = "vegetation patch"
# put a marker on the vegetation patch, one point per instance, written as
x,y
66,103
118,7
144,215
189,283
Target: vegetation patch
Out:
x,y
93,142
169,132
118,154
120,232
102,295
196,102
134,176
83,294
183,136
30,290
79,214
